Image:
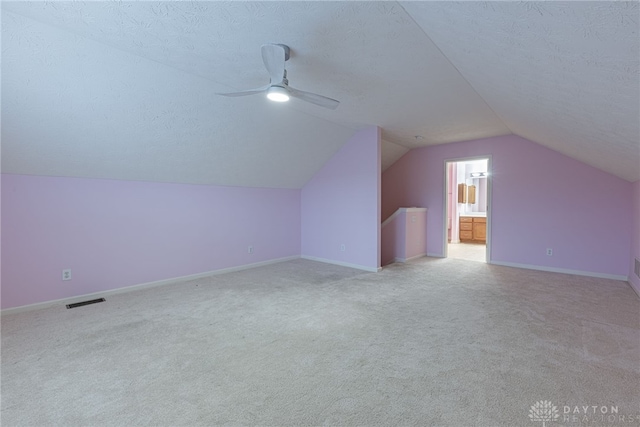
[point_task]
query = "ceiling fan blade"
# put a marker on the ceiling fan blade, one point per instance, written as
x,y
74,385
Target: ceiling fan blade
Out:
x,y
314,98
274,56
245,92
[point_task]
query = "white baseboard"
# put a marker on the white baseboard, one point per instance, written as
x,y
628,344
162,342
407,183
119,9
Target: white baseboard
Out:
x,y
94,295
561,270
435,255
408,259
343,264
635,287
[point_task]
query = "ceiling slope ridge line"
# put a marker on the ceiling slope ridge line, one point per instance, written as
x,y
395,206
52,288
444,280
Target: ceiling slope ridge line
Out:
x,y
455,67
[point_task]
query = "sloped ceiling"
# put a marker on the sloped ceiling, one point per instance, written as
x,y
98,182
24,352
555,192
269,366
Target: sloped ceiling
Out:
x,y
126,90
562,74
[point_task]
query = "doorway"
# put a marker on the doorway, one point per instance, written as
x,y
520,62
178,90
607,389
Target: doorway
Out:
x,y
467,201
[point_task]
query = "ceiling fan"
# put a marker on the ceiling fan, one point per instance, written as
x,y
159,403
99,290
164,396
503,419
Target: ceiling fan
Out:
x,y
274,56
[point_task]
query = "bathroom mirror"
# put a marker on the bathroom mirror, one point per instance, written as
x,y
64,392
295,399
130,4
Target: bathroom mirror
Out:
x,y
477,194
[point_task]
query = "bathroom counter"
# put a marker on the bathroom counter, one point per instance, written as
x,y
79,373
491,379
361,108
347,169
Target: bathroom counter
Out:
x,y
475,214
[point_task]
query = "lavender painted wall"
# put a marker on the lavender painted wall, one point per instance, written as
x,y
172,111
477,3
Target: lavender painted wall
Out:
x,y
393,239
398,188
404,235
541,199
114,234
341,205
635,235
416,229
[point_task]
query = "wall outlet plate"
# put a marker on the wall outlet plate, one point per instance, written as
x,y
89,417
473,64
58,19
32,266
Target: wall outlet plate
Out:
x,y
549,252
66,274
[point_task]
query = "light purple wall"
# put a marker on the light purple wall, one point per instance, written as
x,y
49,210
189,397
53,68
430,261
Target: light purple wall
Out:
x,y
404,235
398,190
635,234
394,239
341,205
541,199
416,229
114,234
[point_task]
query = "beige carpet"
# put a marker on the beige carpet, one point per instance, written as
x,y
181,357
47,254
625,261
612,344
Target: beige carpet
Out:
x,y
435,342
468,251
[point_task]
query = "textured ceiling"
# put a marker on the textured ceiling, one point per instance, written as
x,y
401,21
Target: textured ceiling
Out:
x,y
125,90
563,74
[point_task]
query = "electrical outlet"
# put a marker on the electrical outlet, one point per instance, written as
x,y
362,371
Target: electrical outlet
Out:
x,y
413,218
549,252
343,248
66,274
250,250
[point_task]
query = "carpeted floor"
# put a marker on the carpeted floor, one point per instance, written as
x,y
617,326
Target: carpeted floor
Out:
x,y
435,342
468,251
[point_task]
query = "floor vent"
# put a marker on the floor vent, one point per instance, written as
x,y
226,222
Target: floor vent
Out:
x,y
637,268
80,304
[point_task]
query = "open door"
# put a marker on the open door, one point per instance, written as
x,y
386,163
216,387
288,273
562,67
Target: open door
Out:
x,y
467,209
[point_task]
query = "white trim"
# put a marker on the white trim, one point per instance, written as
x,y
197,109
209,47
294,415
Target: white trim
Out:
x,y
560,270
445,204
78,298
397,212
343,264
445,210
487,253
435,255
409,259
635,287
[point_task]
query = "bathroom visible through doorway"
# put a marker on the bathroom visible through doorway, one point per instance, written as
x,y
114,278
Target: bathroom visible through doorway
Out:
x,y
467,207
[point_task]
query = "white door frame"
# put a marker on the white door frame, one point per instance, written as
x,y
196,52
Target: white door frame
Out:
x,y
445,205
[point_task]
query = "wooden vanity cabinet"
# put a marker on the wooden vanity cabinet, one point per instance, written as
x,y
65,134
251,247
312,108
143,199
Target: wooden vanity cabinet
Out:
x,y
466,229
480,229
473,229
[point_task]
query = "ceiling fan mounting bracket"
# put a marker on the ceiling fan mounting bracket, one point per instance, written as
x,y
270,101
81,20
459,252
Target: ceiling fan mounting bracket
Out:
x,y
287,51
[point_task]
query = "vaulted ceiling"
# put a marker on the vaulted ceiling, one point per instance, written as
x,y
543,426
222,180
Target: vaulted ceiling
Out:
x,y
126,90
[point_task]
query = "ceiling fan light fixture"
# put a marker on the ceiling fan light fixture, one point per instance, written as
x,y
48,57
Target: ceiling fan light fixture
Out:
x,y
278,94
274,56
